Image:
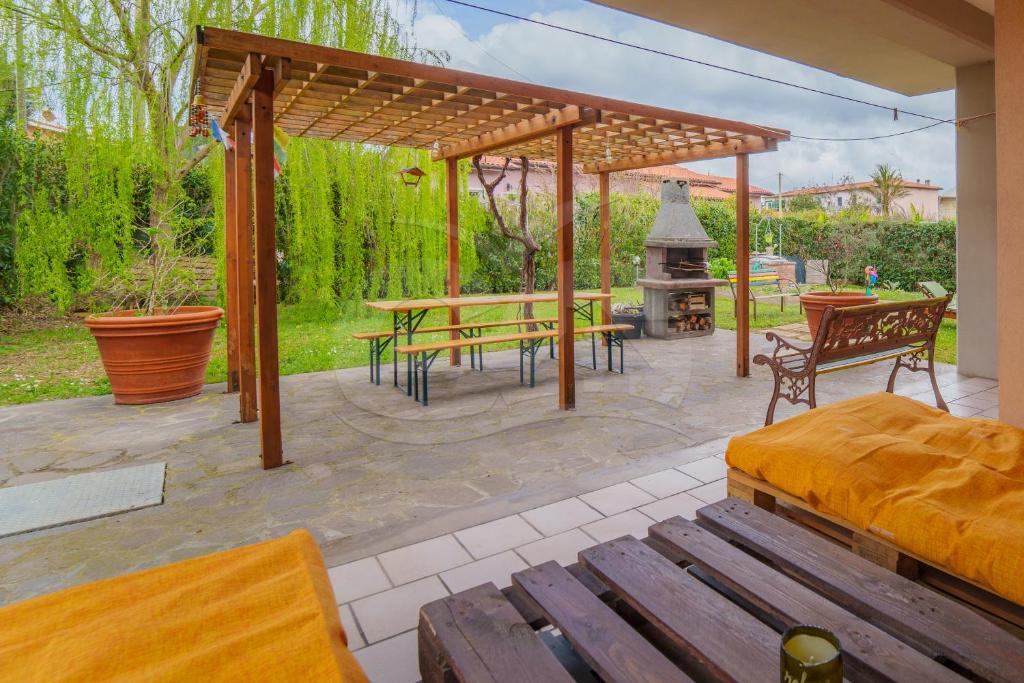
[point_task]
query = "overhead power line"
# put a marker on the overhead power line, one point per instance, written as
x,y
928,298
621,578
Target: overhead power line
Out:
x,y
614,41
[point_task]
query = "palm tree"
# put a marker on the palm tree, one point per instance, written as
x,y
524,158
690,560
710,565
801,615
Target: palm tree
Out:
x,y
888,188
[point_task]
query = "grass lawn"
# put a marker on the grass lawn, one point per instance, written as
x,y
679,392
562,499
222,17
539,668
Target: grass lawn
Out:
x,y
58,358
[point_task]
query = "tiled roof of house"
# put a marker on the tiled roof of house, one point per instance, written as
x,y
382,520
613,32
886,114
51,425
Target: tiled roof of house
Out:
x,y
846,187
701,184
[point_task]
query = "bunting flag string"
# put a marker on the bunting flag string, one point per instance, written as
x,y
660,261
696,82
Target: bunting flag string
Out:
x,y
281,141
219,135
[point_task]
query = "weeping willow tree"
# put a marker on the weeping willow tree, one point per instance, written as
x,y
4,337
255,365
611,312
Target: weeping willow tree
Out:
x,y
117,73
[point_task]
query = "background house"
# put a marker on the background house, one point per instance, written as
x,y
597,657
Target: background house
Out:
x,y
541,178
924,197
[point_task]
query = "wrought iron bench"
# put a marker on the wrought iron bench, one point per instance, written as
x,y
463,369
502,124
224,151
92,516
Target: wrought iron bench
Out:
x,y
785,287
855,336
529,343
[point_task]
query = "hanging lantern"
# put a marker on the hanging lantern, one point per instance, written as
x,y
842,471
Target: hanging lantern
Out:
x,y
411,176
198,118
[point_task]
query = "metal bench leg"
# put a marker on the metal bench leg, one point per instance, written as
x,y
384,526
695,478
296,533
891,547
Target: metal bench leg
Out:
x,y
520,361
622,352
414,386
593,350
533,361
426,368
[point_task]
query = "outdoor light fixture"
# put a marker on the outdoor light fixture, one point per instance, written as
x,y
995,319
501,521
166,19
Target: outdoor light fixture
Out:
x,y
411,176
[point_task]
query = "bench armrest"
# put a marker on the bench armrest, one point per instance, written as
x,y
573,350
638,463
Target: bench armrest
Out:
x,y
784,350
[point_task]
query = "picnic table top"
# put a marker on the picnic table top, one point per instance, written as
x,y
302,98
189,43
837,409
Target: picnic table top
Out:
x,y
687,604
401,305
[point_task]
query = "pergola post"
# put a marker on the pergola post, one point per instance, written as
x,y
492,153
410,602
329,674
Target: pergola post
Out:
x,y
245,269
742,265
266,269
566,322
231,269
604,212
452,190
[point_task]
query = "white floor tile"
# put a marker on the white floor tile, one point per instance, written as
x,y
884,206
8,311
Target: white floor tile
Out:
x,y
562,548
963,411
708,469
618,498
561,516
348,622
496,569
358,579
629,523
494,537
711,493
978,401
991,413
395,660
389,613
423,559
666,483
681,504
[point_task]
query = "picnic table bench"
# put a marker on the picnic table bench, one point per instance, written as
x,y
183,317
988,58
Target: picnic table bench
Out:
x,y
785,288
854,336
708,600
407,316
380,339
529,343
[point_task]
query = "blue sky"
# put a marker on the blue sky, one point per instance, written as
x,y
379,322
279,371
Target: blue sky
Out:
x,y
487,43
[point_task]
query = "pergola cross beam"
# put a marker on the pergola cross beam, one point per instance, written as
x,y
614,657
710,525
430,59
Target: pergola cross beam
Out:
x,y
539,126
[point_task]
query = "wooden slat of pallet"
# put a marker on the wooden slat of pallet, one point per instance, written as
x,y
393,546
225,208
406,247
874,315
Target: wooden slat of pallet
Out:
x,y
916,615
477,635
718,639
604,640
869,653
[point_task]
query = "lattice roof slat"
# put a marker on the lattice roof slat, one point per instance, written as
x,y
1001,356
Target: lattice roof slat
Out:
x,y
349,96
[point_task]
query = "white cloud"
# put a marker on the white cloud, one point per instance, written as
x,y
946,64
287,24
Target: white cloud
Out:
x,y
521,50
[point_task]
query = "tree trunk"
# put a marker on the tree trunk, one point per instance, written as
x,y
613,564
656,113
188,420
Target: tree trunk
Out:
x,y
529,279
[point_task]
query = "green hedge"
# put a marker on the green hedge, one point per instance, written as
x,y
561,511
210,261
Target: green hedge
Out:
x,y
905,252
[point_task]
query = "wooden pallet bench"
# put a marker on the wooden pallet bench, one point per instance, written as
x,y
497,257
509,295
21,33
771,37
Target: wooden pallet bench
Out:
x,y
767,279
529,343
855,336
708,600
874,548
379,340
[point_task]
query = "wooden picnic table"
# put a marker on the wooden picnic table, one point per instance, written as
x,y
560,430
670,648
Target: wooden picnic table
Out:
x,y
407,314
708,600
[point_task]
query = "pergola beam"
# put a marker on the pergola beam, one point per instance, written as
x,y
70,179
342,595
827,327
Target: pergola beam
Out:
x,y
698,152
240,92
517,133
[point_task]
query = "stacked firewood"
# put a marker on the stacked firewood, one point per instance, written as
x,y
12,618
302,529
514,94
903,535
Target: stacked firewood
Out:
x,y
690,323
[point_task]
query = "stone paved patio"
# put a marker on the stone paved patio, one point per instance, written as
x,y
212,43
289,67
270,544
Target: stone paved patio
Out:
x,y
372,471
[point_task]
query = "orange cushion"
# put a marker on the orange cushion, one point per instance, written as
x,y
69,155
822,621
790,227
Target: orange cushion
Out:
x,y
260,612
948,489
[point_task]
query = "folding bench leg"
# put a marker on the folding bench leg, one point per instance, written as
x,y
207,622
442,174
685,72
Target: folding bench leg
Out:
x,y
608,343
426,367
373,346
593,350
521,351
533,360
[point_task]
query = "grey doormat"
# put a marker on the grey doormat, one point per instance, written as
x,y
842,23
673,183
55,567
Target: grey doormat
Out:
x,y
79,497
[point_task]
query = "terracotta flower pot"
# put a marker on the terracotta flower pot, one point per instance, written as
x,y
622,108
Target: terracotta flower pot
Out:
x,y
155,358
816,302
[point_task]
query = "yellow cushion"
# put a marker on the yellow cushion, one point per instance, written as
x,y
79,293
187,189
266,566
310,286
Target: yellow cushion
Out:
x,y
261,612
948,489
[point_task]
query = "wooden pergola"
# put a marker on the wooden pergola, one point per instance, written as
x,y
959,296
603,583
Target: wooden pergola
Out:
x,y
252,82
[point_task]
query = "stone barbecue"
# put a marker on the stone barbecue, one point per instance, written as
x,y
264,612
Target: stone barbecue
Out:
x,y
679,293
